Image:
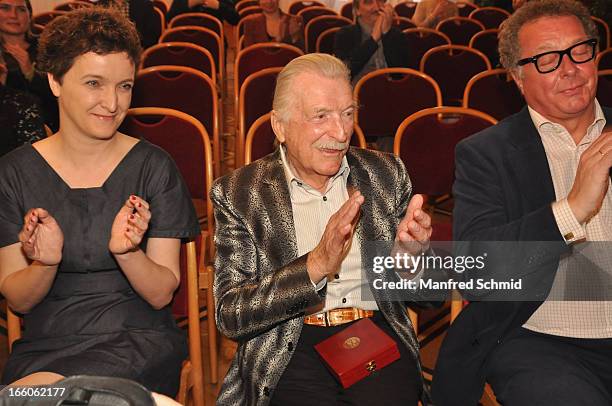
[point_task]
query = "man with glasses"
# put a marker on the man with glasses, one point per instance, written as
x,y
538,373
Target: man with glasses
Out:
x,y
541,176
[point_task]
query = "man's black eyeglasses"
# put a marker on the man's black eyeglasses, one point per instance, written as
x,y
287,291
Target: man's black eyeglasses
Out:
x,y
549,61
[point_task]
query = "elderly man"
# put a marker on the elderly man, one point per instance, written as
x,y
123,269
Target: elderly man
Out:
x,y
539,176
291,235
372,42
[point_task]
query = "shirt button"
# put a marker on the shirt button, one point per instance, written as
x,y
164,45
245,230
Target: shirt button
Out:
x,y
266,391
336,276
344,300
324,198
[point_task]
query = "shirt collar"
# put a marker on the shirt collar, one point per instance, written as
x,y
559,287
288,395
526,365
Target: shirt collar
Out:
x,y
546,126
293,181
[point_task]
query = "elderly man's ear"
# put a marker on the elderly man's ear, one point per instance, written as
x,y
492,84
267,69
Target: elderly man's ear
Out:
x,y
278,127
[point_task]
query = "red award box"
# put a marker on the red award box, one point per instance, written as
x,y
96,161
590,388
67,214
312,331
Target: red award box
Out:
x,y
357,351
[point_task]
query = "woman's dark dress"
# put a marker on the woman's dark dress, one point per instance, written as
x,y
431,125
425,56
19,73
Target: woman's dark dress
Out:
x,y
92,321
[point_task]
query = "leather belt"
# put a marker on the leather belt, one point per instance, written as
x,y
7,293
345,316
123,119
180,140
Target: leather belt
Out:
x,y
336,317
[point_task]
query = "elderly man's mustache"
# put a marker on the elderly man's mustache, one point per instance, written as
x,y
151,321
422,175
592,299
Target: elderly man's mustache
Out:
x,y
340,146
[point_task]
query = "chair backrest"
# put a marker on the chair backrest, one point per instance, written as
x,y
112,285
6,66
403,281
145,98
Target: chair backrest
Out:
x,y
325,42
347,10
405,9
37,29
465,8
317,25
203,37
487,42
185,139
199,20
403,23
465,62
255,100
387,96
181,54
162,6
246,3
44,18
260,140
493,92
490,17
299,5
604,87
239,31
604,59
311,12
259,56
421,40
247,11
604,33
460,29
161,18
72,5
184,89
426,140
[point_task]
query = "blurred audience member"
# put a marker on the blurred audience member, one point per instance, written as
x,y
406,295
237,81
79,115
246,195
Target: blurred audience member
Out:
x,y
372,42
20,47
222,9
20,119
429,13
141,13
272,25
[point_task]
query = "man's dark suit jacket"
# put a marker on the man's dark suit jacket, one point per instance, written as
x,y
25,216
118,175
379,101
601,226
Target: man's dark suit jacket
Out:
x,y
225,12
349,48
503,192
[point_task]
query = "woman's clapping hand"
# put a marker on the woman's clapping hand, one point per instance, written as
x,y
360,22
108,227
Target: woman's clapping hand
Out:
x,y
41,237
130,225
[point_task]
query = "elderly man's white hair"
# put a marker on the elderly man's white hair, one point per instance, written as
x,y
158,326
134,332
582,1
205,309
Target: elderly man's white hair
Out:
x,y
319,64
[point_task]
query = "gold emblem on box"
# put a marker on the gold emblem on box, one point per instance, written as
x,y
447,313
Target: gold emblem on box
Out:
x,y
371,366
351,342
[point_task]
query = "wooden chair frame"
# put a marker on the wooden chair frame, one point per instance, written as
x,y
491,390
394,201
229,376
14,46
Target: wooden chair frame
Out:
x,y
489,8
239,140
291,9
250,10
600,55
476,78
162,18
192,377
220,66
465,19
200,49
314,21
242,133
215,97
387,71
601,22
435,110
205,273
325,33
203,16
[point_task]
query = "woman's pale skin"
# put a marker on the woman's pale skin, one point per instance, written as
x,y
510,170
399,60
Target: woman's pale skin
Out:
x,y
93,96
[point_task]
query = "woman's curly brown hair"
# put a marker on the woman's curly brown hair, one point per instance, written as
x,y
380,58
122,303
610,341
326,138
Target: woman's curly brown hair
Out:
x,y
99,30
